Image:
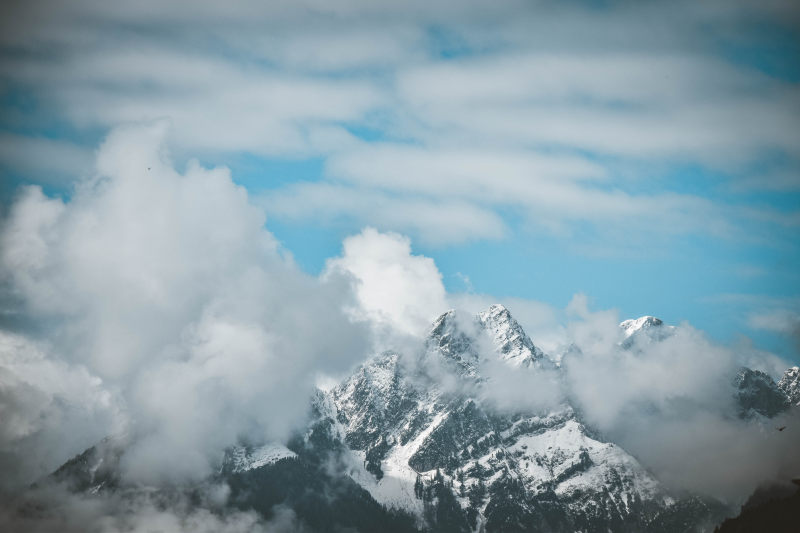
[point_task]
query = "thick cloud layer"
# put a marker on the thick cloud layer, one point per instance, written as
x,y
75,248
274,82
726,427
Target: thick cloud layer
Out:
x,y
169,310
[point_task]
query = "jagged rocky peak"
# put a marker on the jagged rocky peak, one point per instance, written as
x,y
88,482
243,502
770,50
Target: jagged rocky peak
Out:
x,y
458,338
512,343
758,394
790,385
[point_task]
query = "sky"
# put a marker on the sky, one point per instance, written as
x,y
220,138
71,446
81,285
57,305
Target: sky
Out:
x,y
207,208
646,154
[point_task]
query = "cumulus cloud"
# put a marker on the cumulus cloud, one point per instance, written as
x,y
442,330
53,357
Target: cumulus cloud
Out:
x,y
394,287
163,292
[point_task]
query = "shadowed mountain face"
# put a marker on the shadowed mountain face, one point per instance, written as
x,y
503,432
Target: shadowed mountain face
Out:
x,y
419,442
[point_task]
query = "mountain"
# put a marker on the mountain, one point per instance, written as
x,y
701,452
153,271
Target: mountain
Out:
x,y
445,439
424,445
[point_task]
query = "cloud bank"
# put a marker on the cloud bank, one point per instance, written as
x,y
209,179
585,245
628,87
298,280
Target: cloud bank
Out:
x,y
559,114
165,308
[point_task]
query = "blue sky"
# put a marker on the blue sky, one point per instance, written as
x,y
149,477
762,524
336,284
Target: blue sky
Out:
x,y
647,155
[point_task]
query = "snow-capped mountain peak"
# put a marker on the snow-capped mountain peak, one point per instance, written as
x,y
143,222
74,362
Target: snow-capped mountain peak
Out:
x,y
512,343
410,434
458,338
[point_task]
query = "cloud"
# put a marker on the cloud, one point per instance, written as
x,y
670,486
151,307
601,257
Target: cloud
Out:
x,y
434,221
784,321
394,287
47,403
489,112
45,160
163,291
543,323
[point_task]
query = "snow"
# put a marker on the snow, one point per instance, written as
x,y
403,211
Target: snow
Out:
x,y
244,459
396,488
552,453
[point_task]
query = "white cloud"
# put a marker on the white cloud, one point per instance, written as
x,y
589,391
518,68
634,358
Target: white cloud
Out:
x,y
394,287
523,118
167,287
435,221
47,403
783,321
45,160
